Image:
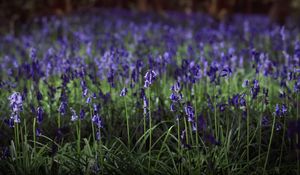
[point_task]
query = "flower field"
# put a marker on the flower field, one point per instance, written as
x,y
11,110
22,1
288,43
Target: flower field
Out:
x,y
119,92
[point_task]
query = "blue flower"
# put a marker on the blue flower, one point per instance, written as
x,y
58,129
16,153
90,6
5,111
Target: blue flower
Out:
x,y
38,132
176,87
88,100
98,135
245,83
39,116
16,102
74,116
189,111
15,117
82,114
62,108
150,76
123,92
32,53
284,109
97,120
226,72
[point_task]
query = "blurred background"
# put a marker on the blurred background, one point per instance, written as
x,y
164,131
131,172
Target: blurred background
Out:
x,y
13,12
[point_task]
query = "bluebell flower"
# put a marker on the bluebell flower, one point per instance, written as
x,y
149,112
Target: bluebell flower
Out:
x,y
265,121
280,111
38,132
284,109
297,86
189,111
255,89
212,73
82,114
277,110
278,126
242,100
245,83
96,107
176,87
98,135
97,120
226,72
39,116
88,100
15,117
32,53
85,92
10,122
74,116
62,108
150,76
172,107
39,96
222,107
123,92
16,102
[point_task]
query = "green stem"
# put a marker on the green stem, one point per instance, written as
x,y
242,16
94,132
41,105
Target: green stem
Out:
x,y
78,126
127,123
150,127
270,142
93,129
248,129
58,120
34,134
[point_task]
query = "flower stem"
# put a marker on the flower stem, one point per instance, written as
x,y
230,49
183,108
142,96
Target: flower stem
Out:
x,y
270,142
127,123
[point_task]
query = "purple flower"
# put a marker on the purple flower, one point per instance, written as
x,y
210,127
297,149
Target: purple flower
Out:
x,y
62,108
150,76
265,121
189,111
96,107
277,110
74,116
242,100
284,109
39,116
278,126
10,122
176,87
280,111
222,107
15,117
123,92
255,89
172,107
97,120
82,114
85,92
245,83
88,100
16,102
226,72
32,53
38,132
39,96
98,135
